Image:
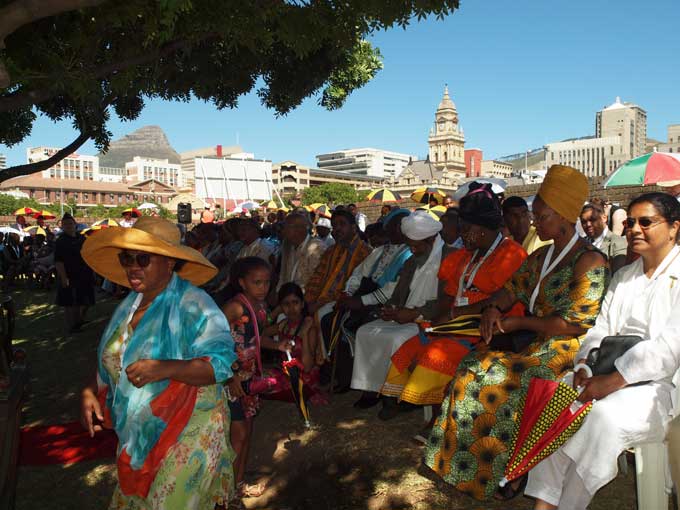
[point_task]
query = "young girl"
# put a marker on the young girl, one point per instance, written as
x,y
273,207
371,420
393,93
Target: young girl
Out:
x,y
247,316
298,331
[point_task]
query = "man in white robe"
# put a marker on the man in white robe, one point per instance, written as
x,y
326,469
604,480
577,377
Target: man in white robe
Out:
x,y
632,415
413,299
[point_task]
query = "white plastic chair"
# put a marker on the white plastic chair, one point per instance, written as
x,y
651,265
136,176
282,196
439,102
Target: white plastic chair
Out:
x,y
652,471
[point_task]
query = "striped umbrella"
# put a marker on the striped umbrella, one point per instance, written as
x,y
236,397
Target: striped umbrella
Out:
x,y
383,195
133,211
46,215
324,211
648,169
108,222
314,206
24,211
436,212
467,325
550,415
424,195
35,230
270,205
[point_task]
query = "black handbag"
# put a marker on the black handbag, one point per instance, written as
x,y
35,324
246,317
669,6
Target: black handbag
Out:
x,y
601,359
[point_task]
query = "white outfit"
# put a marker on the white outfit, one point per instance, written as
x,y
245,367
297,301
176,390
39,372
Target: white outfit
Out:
x,y
377,341
373,267
361,221
634,305
258,248
328,241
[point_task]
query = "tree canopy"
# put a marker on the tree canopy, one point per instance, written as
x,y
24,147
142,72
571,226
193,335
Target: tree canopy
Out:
x,y
80,60
330,193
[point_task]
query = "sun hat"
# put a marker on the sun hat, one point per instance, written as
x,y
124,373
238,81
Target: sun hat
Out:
x,y
149,234
324,222
564,190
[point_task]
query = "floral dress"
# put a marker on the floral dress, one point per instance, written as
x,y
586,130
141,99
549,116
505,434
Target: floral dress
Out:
x,y
469,443
197,471
248,362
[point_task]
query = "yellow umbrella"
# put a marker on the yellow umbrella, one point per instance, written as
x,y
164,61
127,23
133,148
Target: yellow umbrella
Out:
x,y
36,230
436,212
284,209
424,195
383,195
47,215
24,211
270,205
314,206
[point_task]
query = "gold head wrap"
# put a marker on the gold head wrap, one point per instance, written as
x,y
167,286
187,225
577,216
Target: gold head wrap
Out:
x,y
564,190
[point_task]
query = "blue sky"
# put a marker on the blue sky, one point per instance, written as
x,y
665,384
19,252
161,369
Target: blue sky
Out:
x,y
522,74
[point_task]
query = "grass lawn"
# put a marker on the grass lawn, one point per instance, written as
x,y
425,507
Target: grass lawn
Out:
x,y
349,460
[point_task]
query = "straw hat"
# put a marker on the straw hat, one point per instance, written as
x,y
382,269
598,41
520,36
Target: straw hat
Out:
x,y
149,234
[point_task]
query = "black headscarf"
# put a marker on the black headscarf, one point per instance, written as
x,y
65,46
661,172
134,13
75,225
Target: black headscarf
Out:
x,y
481,207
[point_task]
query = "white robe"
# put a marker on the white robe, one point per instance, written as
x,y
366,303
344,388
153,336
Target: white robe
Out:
x,y
634,305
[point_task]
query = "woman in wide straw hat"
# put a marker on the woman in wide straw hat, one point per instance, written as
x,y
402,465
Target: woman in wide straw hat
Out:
x,y
561,286
161,362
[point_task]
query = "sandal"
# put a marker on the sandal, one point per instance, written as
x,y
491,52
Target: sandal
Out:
x,y
509,492
246,490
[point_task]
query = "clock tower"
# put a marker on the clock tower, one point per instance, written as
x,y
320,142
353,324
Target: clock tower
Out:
x,y
446,140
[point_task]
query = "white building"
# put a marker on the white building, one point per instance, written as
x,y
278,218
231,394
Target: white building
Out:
x,y
495,168
76,166
591,156
365,161
672,140
626,120
3,161
230,181
143,169
188,160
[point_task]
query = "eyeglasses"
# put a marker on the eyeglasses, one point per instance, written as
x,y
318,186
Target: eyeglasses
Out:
x,y
128,259
645,222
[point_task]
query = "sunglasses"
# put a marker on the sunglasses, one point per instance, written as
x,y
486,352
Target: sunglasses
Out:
x,y
644,222
128,259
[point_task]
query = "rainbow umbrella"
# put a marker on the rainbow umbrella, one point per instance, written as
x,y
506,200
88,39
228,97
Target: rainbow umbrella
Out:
x,y
648,169
383,195
551,415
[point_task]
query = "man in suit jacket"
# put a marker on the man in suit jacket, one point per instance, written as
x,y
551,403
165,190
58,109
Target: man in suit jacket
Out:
x,y
594,222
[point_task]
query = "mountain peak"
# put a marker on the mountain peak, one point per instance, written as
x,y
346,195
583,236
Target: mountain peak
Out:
x,y
147,141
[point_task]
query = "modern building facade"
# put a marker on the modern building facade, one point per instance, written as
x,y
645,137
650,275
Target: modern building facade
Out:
x,y
627,121
75,166
3,161
188,160
161,170
447,140
494,168
672,140
364,161
592,156
290,178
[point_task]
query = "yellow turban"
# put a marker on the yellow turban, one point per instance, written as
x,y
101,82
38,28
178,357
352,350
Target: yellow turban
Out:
x,y
564,190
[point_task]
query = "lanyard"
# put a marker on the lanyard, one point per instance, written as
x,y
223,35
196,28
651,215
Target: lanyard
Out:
x,y
462,284
548,267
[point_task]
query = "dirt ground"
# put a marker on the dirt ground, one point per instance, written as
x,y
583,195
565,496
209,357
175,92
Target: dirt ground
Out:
x,y
348,460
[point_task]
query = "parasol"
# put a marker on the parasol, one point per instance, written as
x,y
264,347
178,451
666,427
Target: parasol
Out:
x,y
424,195
550,415
46,215
36,230
651,168
467,325
324,211
270,205
24,211
249,205
133,211
10,230
292,368
436,212
108,222
497,186
383,195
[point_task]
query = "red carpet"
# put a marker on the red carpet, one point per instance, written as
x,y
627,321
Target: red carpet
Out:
x,y
64,444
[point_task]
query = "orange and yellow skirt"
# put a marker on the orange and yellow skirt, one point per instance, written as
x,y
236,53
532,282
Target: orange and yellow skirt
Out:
x,y
420,372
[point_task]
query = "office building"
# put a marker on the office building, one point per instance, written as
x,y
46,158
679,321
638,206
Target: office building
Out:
x,y
366,161
627,121
142,169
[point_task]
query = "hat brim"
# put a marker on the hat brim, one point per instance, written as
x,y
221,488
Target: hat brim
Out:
x,y
100,252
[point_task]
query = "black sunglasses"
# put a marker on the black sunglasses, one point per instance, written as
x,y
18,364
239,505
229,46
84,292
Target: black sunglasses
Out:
x,y
128,259
644,222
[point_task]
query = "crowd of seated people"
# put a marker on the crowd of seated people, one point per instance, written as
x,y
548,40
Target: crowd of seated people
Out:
x,y
541,290
30,258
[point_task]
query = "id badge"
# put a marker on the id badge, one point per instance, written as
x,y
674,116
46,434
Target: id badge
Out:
x,y
462,301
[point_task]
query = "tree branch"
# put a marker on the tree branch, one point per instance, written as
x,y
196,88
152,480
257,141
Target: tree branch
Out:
x,y
30,168
23,12
21,100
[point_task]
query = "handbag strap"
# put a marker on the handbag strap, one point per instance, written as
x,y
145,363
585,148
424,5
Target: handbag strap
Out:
x,y
258,356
